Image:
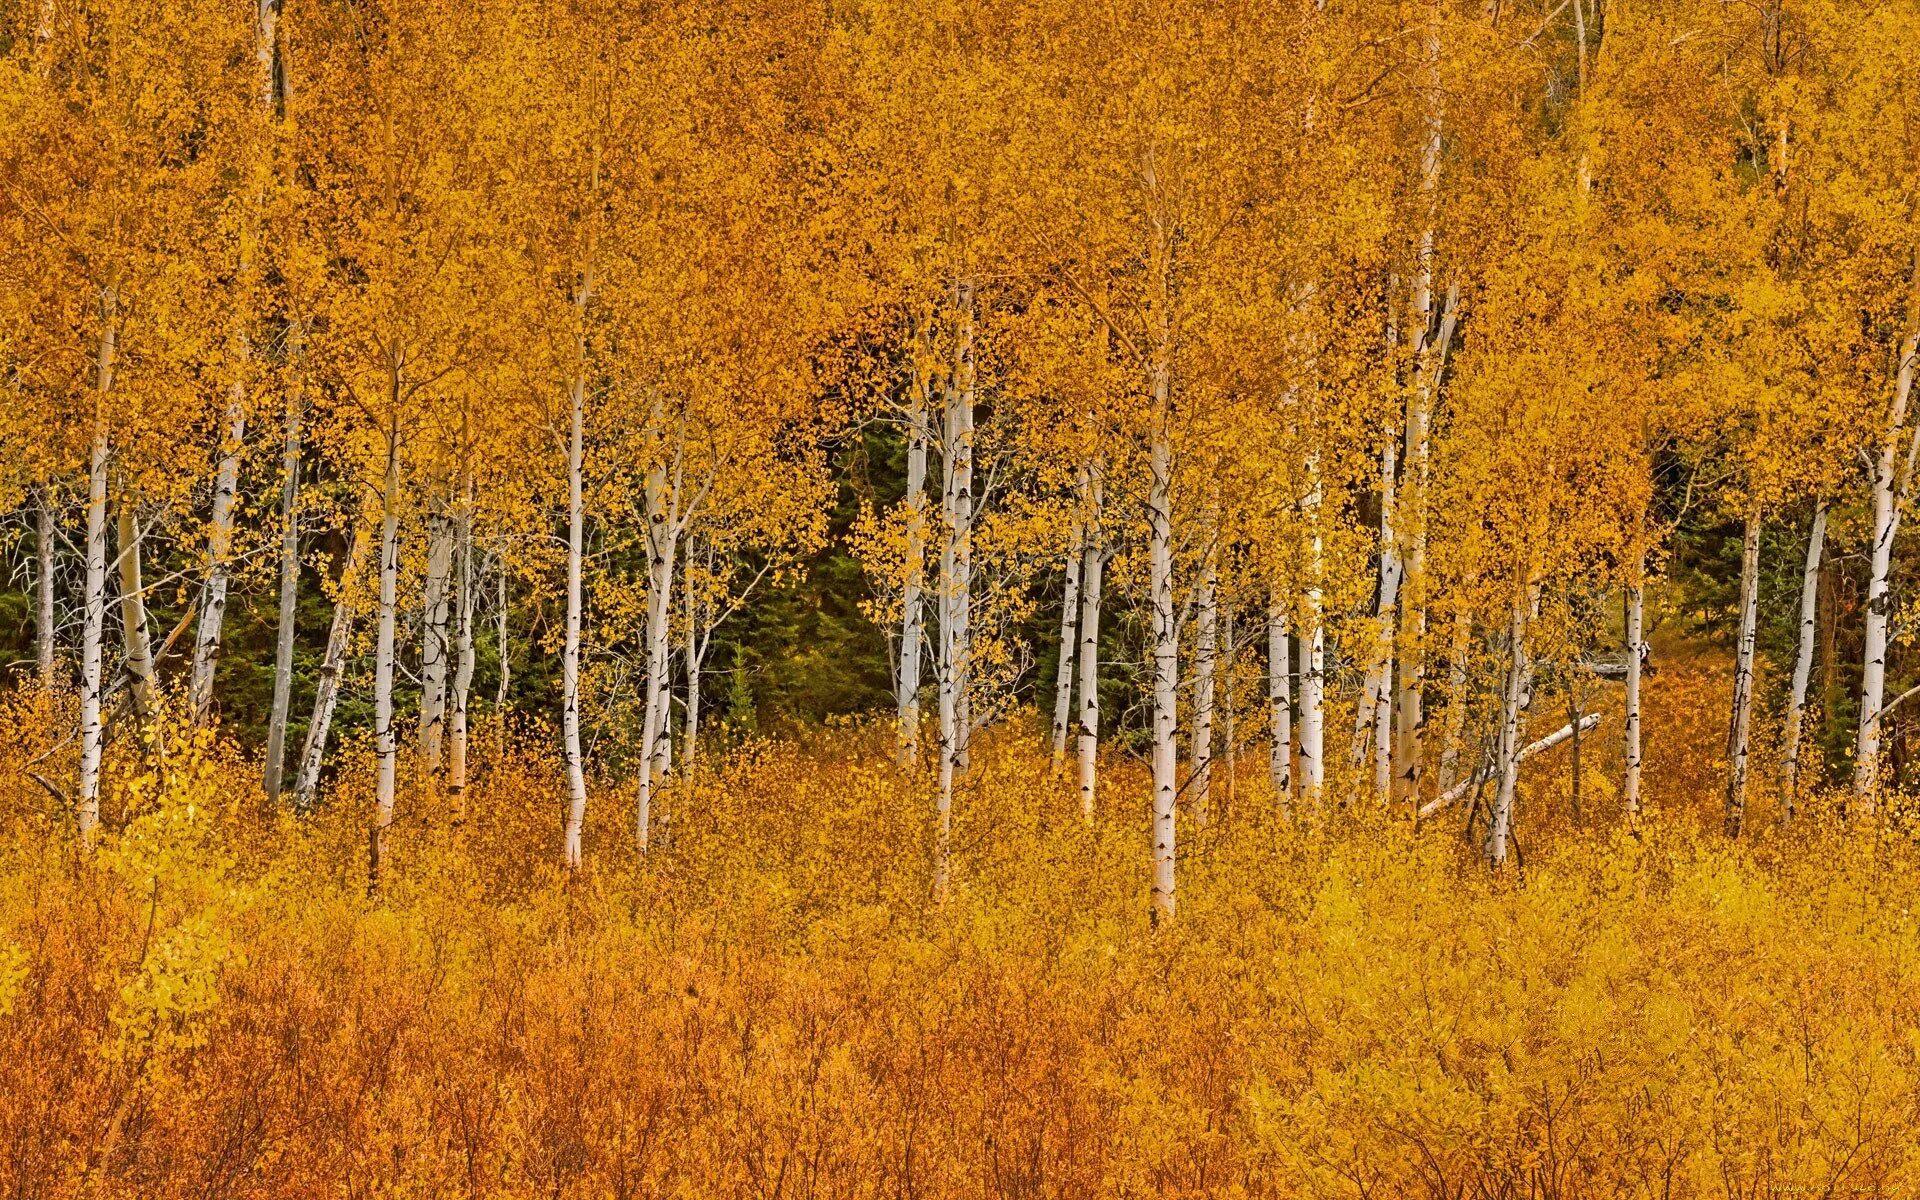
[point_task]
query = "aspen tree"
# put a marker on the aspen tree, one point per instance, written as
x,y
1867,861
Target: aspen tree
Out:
x,y
913,614
333,665
1093,566
1280,704
1743,675
1803,660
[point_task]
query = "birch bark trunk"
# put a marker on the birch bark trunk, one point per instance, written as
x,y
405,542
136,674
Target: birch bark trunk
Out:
x,y
133,615
913,614
1165,629
1205,653
1500,821
326,695
663,541
1313,652
286,627
93,625
43,620
1063,674
1636,662
1372,714
956,582
1803,660
1456,698
463,600
1888,491
213,604
1092,572
385,747
1280,704
436,618
1743,666
570,647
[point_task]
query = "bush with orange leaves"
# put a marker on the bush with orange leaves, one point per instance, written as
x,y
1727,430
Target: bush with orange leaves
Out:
x,y
768,1005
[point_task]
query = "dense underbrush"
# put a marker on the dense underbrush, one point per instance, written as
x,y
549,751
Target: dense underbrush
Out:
x,y
211,1004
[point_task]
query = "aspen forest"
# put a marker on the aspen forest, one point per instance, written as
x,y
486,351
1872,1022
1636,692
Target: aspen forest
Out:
x,y
896,598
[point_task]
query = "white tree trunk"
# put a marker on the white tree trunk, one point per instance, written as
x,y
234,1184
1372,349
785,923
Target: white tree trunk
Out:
x,y
1803,659
285,630
1372,714
1636,661
463,599
913,611
956,582
1410,711
500,615
213,605
93,626
1571,730
1063,674
1205,653
436,642
1280,704
1887,489
326,694
1092,572
663,541
1313,658
570,649
133,615
1743,667
1500,821
691,655
385,747
1165,645
43,618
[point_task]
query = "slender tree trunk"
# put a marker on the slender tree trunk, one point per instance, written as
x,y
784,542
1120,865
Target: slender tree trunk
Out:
x,y
462,652
1313,660
1205,653
213,606
1280,703
1092,572
386,749
1743,676
133,615
1636,663
1372,714
691,655
1456,697
1888,489
1229,705
436,619
663,540
913,612
289,596
43,619
502,689
570,649
1500,821
1165,647
93,627
1803,658
1063,675
1410,714
326,695
956,583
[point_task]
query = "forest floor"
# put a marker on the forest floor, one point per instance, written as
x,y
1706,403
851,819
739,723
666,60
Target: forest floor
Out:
x,y
769,1004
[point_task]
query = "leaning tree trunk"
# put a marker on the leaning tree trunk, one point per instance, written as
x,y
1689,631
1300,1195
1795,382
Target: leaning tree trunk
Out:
x,y
94,619
913,613
1205,652
1063,674
386,749
213,604
1500,821
289,598
1280,704
1803,660
1888,489
133,616
1092,572
1742,721
43,631
570,648
435,642
326,693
